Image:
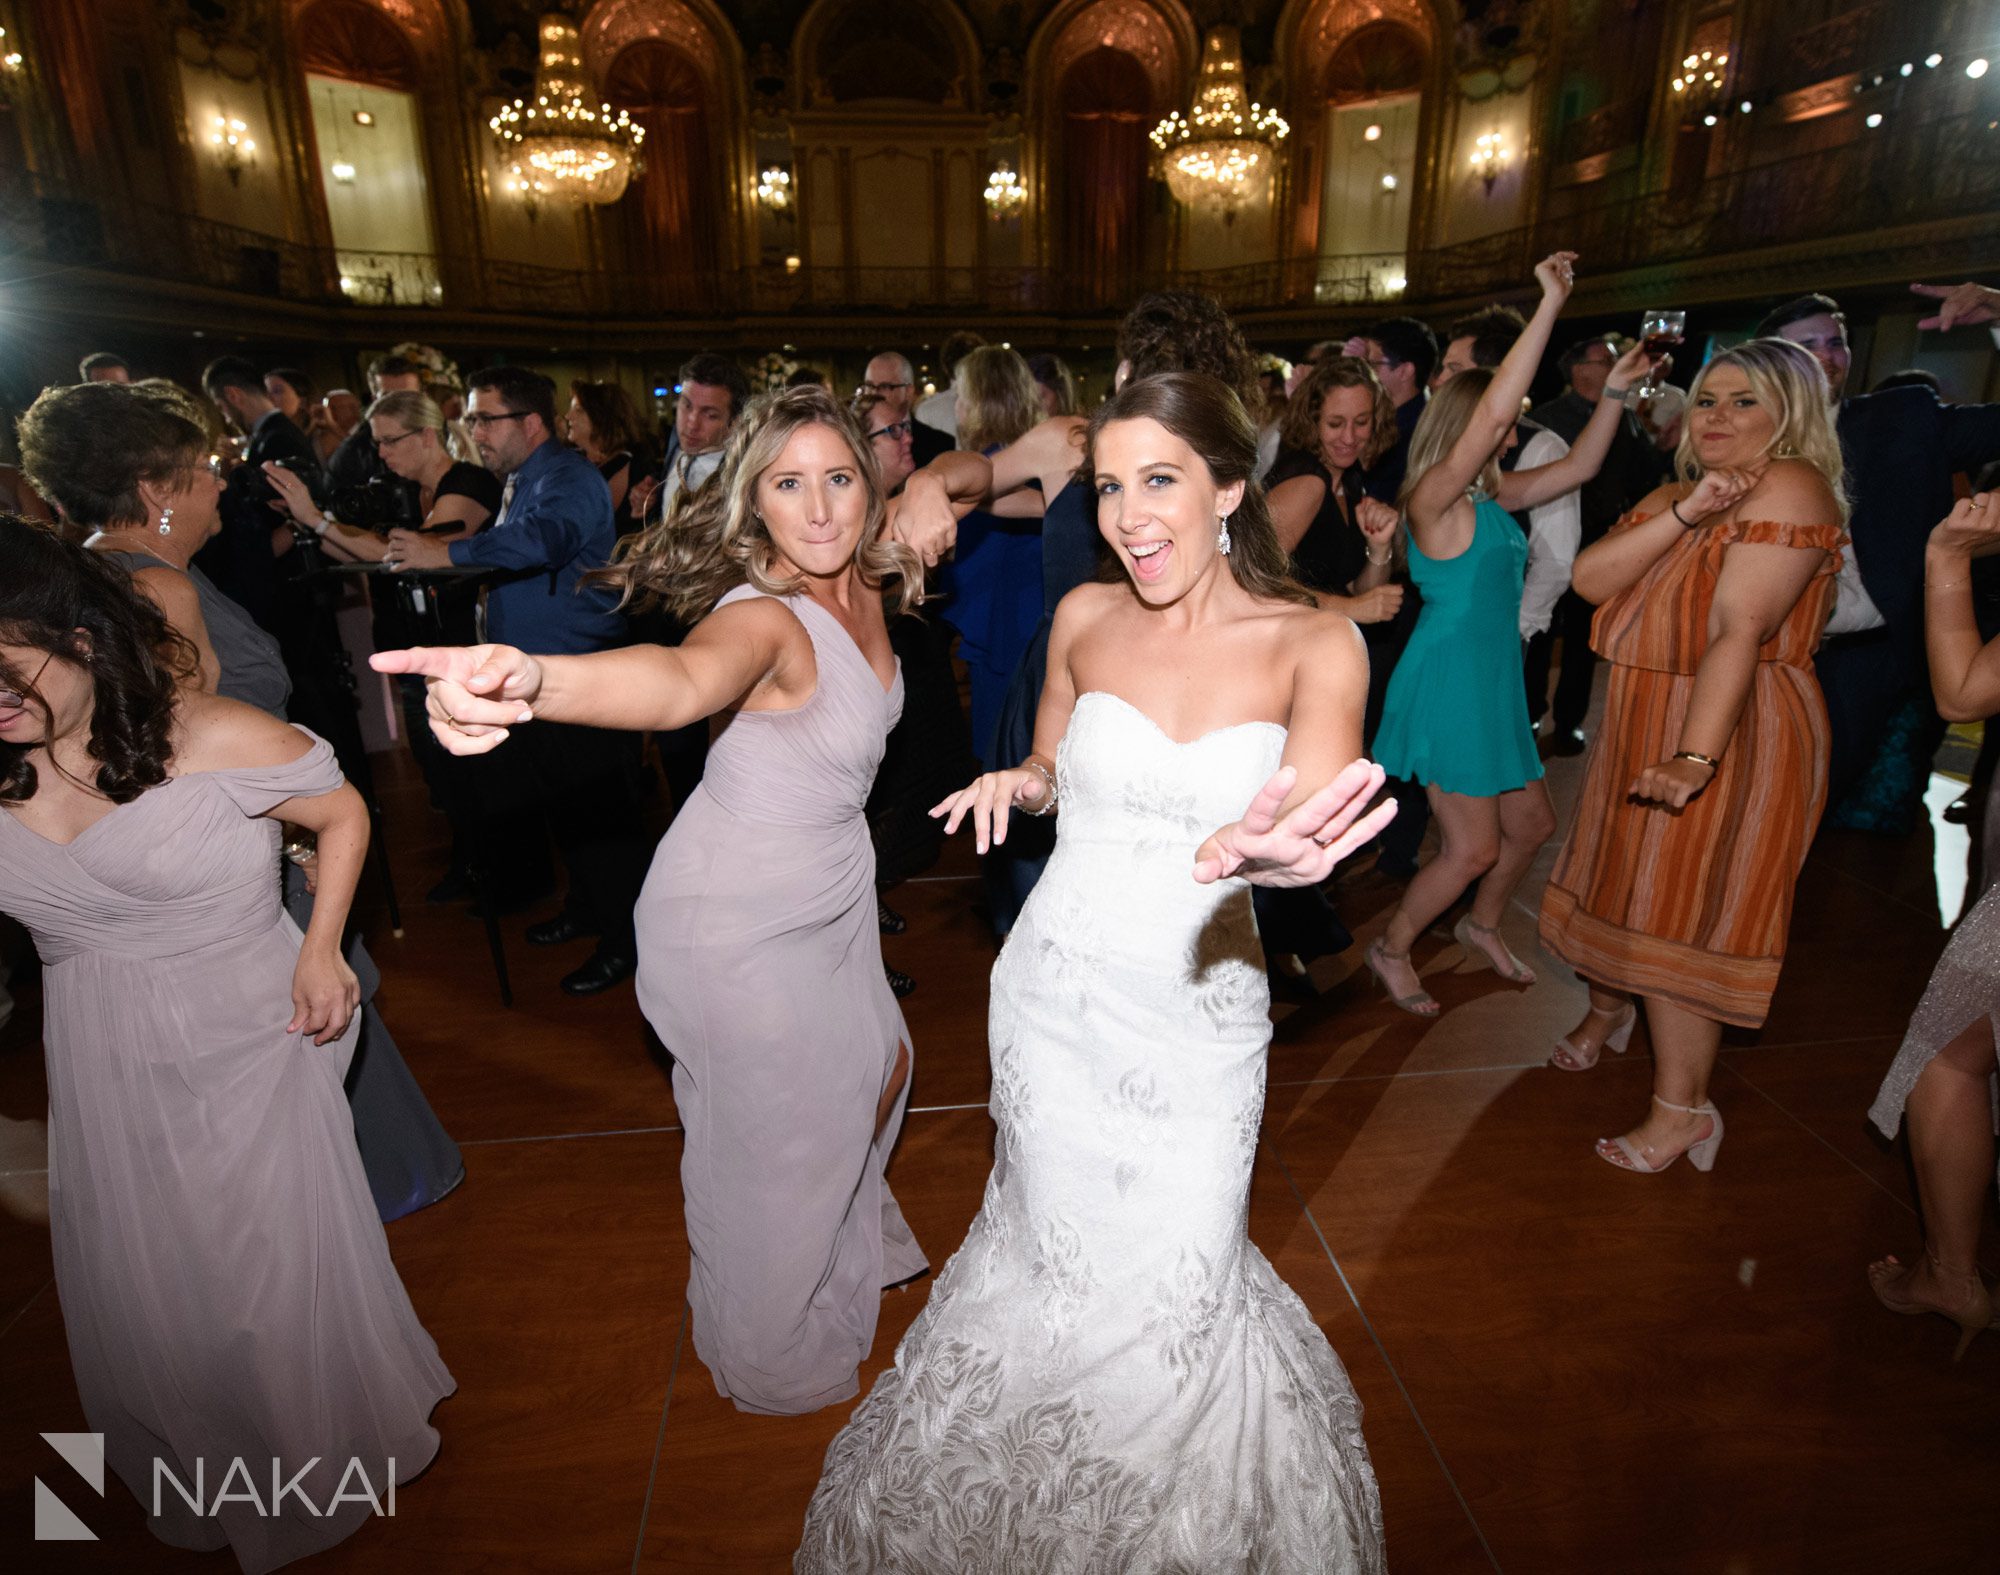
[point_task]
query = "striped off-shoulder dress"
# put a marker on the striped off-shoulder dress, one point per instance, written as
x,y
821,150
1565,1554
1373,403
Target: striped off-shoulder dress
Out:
x,y
1692,906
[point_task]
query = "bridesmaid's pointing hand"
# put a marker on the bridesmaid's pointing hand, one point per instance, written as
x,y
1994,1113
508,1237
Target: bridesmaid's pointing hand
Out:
x,y
1303,847
475,692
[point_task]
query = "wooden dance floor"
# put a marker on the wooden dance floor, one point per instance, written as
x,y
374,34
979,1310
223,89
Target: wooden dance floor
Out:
x,y
1564,1367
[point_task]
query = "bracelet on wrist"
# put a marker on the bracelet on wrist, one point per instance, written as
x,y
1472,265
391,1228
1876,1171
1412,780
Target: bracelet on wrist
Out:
x,y
1945,585
1048,800
1710,761
1674,508
1616,396
1388,554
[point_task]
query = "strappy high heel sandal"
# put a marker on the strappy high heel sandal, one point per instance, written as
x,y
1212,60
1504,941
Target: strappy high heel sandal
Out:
x,y
1616,1041
1419,1003
1701,1154
1475,937
888,920
1974,1317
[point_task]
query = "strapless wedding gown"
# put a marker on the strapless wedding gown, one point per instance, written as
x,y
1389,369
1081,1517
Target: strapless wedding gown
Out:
x,y
1109,1376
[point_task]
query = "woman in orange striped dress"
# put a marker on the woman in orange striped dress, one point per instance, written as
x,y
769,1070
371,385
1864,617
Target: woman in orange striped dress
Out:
x,y
1709,773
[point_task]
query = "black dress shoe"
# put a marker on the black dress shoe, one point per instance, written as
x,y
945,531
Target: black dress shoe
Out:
x,y
1567,741
900,984
565,926
1959,811
600,973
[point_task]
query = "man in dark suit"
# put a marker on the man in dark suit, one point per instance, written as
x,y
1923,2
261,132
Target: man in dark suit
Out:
x,y
243,559
1902,446
890,375
1404,353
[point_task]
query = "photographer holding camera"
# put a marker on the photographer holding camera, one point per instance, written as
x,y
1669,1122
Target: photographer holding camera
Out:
x,y
452,499
244,557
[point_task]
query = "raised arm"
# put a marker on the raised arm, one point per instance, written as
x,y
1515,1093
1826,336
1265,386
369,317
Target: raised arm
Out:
x,y
478,692
1500,406
1618,561
1526,488
1758,586
925,514
1047,452
1555,529
1965,672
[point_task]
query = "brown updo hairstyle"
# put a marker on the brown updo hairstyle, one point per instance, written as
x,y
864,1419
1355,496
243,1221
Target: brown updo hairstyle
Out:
x,y
50,590
1206,414
87,446
1184,331
714,540
1301,424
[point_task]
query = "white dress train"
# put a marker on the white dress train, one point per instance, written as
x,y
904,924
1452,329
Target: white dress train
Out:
x,y
1109,1376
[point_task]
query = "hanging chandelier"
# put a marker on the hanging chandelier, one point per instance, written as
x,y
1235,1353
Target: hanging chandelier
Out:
x,y
570,150
1219,152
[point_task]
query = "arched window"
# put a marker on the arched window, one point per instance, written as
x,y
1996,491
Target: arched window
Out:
x,y
362,79
671,209
1104,100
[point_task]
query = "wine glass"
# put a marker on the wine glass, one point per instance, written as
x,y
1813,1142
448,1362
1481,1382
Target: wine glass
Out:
x,y
1661,332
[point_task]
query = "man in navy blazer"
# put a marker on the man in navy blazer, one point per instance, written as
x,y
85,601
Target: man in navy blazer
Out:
x,y
1902,447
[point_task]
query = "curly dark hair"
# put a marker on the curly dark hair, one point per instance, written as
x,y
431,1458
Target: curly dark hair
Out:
x,y
1184,331
88,446
51,590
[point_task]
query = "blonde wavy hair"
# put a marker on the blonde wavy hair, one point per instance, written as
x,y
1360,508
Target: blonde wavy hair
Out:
x,y
714,540
1789,383
1445,416
996,395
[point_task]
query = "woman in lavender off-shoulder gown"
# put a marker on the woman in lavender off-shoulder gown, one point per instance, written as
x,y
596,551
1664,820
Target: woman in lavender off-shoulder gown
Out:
x,y
226,1286
760,959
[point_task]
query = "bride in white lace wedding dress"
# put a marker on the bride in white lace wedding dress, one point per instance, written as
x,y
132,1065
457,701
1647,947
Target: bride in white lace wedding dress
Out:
x,y
1109,1376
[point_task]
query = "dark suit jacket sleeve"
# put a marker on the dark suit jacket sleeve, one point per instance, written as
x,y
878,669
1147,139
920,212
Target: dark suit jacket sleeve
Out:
x,y
927,442
1972,436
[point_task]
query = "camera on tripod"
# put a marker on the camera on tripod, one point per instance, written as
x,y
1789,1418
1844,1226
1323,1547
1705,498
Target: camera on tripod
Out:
x,y
380,504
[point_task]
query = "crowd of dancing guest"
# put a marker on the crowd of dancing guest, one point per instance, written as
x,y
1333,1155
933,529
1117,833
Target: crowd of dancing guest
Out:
x,y
1188,609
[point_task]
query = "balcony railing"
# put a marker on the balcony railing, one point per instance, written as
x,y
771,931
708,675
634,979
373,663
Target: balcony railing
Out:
x,y
1917,171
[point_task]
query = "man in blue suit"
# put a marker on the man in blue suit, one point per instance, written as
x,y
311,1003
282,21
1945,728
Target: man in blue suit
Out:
x,y
1902,447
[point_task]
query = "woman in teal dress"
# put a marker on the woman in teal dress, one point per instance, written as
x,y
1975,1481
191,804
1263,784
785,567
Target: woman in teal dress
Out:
x,y
1456,714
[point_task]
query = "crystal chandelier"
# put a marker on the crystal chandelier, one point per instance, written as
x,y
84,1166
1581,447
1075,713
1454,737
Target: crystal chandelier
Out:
x,y
1218,152
575,152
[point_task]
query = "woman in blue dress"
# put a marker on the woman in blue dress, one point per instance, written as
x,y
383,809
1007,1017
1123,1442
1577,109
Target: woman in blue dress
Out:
x,y
1456,714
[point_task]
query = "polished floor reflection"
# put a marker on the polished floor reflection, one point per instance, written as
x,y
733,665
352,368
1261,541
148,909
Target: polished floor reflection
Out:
x,y
1565,1367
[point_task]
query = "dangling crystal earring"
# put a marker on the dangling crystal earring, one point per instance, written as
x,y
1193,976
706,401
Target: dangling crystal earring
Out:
x,y
166,522
1222,538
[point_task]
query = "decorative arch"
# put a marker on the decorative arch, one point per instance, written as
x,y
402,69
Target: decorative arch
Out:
x,y
871,51
1162,45
677,65
405,45
1327,50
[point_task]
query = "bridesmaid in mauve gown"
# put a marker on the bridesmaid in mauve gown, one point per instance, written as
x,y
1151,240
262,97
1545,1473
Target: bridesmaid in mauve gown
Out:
x,y
760,958
226,1286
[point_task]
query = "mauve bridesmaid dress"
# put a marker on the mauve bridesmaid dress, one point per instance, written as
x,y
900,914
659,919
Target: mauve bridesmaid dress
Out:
x,y
760,966
225,1283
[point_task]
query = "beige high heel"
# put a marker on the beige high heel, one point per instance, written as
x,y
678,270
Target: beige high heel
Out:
x,y
1465,933
1419,1003
1976,1316
1615,1041
1701,1154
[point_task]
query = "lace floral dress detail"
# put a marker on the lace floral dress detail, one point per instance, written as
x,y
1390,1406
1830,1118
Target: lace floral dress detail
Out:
x,y
1109,1377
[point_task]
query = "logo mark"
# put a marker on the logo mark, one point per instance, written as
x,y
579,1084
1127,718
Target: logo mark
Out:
x,y
55,1521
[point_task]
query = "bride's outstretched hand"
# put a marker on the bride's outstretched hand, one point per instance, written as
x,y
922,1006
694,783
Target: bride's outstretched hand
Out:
x,y
987,799
1303,847
474,692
